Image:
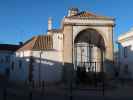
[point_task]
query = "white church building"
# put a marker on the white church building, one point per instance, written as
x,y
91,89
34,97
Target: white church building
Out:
x,y
84,40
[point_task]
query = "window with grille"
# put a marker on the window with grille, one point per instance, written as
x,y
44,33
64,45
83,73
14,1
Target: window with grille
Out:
x,y
125,52
20,64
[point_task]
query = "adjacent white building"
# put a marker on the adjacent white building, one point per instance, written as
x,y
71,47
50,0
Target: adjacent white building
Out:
x,y
125,44
39,59
6,51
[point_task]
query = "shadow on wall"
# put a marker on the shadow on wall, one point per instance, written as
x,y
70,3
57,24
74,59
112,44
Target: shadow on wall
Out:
x,y
36,69
4,71
33,68
125,62
109,68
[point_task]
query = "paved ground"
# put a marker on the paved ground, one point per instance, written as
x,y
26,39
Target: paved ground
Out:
x,y
117,91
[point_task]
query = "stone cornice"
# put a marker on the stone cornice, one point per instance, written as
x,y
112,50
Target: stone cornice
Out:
x,y
120,40
94,22
92,18
83,24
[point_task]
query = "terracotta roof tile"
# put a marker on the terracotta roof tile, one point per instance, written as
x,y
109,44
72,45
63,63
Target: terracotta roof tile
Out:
x,y
43,42
86,15
28,45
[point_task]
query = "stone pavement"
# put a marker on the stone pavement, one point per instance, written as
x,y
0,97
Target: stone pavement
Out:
x,y
118,92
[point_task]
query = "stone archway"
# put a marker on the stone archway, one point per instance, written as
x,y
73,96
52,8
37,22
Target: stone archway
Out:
x,y
89,48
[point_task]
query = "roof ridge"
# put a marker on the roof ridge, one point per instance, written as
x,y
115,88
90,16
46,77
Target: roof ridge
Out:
x,y
87,14
84,12
27,43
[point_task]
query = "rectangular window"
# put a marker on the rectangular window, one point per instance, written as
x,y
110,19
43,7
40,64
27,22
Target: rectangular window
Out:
x,y
20,64
126,69
7,59
125,52
12,67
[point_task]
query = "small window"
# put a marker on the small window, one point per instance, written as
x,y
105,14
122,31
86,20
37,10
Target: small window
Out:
x,y
12,67
126,69
20,64
125,52
7,59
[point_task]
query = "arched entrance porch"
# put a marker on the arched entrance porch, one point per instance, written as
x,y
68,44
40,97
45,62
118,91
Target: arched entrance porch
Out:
x,y
89,48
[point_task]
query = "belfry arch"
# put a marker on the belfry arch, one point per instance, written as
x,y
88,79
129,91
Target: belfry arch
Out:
x,y
89,49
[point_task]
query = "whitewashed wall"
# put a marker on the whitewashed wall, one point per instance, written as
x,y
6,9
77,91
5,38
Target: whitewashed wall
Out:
x,y
50,65
58,41
4,64
20,72
126,60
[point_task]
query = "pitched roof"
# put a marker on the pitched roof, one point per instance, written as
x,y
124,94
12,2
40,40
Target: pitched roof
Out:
x,y
8,47
42,42
84,14
126,36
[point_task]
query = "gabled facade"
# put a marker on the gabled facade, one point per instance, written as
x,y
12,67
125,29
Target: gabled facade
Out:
x,y
125,42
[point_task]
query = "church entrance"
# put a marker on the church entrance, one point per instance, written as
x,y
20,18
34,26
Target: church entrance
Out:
x,y
88,54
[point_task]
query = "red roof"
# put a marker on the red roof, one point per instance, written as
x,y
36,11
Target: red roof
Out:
x,y
42,42
86,15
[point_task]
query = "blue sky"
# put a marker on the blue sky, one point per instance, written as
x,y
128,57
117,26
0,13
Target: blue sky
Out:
x,y
22,19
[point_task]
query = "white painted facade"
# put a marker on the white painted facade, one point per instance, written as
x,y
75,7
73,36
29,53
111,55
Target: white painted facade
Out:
x,y
47,64
5,61
50,67
126,55
20,72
